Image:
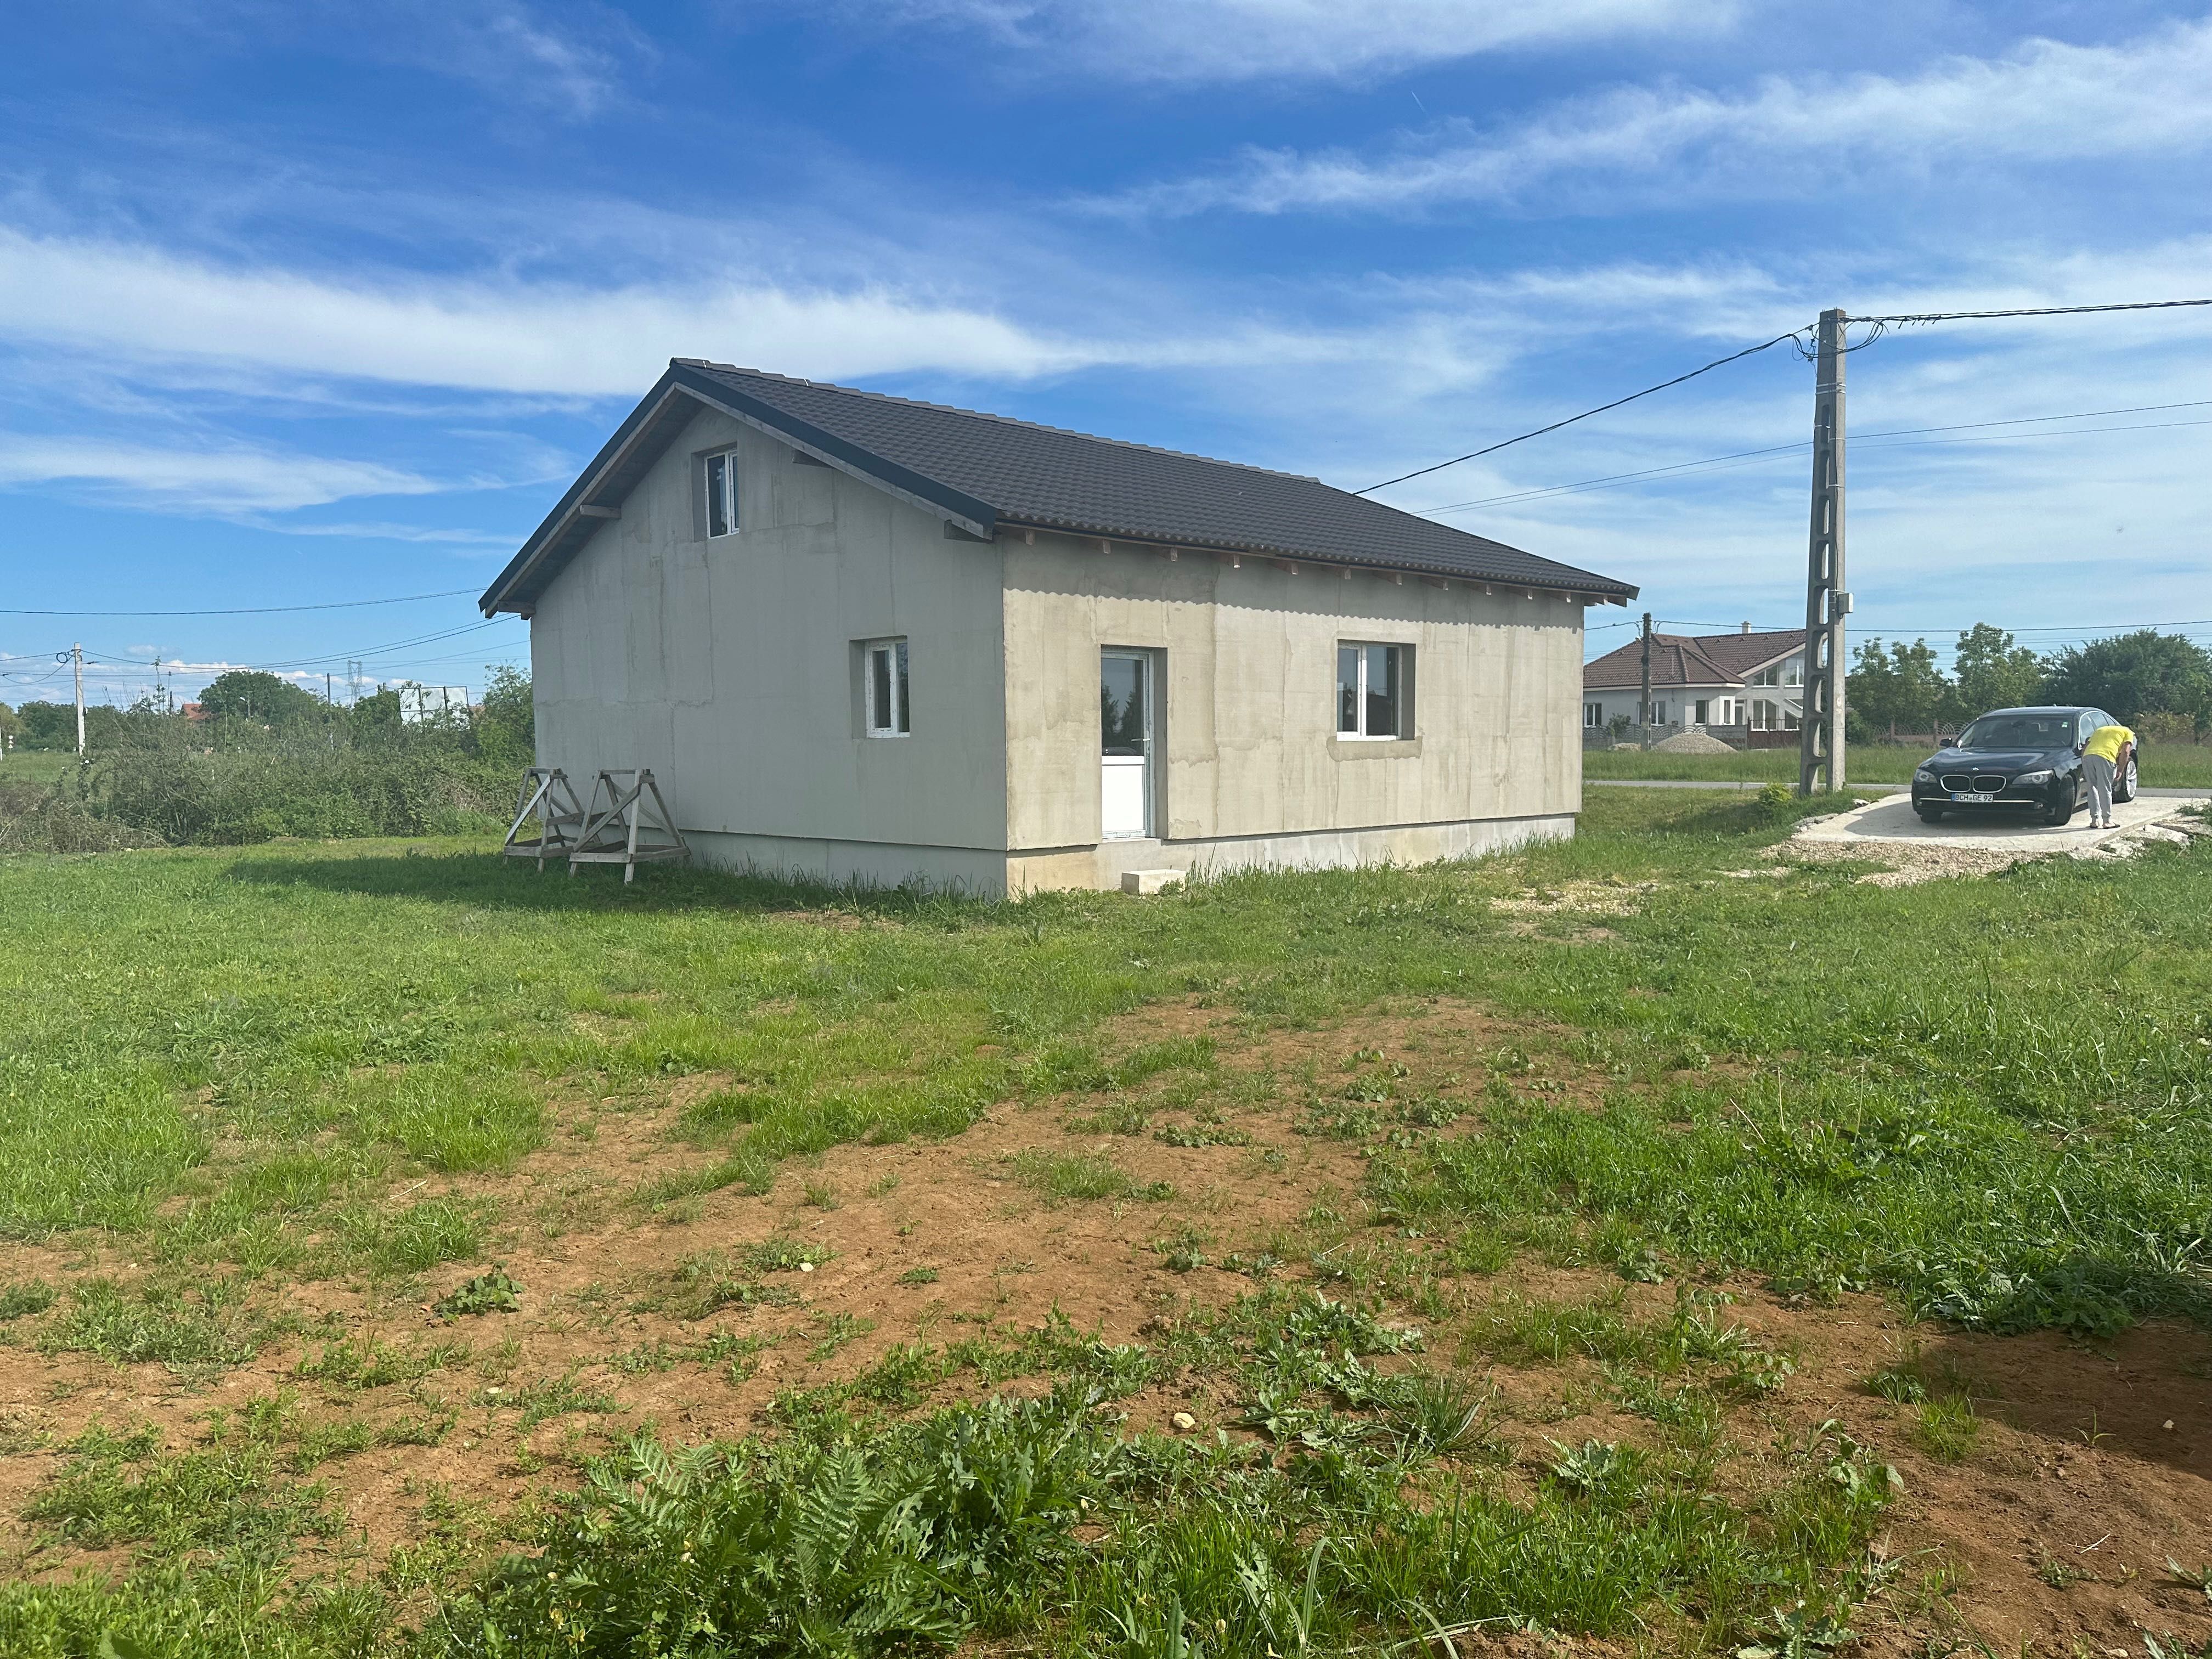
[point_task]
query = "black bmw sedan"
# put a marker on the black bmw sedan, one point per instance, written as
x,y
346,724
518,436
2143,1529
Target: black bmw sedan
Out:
x,y
2025,759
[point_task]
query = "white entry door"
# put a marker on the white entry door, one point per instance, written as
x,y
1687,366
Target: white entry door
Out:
x,y
1125,744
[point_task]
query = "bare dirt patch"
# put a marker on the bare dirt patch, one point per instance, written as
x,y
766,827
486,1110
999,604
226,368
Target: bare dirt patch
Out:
x,y
692,1319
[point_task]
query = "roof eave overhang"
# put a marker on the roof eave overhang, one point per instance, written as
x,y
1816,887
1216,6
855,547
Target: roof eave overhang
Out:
x,y
1596,590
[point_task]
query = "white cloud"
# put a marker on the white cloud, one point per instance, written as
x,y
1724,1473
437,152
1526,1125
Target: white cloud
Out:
x,y
420,534
1191,41
487,335
566,58
2047,101
230,480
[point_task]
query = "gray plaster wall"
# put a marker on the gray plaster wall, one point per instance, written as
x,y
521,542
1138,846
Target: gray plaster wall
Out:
x,y
1254,770
728,665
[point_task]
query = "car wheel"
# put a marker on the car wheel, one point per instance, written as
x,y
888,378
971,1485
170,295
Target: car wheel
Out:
x,y
2063,805
1929,814
2123,787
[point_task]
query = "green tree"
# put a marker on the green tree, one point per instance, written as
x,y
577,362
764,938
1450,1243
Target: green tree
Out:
x,y
374,720
248,694
507,725
10,726
48,725
1897,689
1994,671
2130,674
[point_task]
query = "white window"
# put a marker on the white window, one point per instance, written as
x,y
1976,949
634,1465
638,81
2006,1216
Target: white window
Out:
x,y
882,687
721,475
1703,706
1593,714
1658,713
1374,690
1793,671
1765,715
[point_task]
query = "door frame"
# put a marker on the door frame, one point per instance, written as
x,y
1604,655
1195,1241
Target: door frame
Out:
x,y
1153,668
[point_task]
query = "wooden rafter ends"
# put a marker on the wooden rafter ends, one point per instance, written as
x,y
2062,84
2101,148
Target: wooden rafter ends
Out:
x,y
629,823
546,796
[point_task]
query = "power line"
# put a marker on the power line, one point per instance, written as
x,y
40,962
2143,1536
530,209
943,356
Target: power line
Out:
x,y
2067,627
2030,311
1899,432
117,660
1474,454
1901,319
254,610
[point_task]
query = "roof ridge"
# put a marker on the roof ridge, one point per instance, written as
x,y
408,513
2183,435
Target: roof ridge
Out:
x,y
1002,420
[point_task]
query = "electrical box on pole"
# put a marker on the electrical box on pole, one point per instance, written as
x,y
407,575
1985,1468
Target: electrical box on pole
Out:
x,y
1820,719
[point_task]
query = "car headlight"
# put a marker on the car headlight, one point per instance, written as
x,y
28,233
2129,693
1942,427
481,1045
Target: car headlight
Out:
x,y
1924,775
2044,776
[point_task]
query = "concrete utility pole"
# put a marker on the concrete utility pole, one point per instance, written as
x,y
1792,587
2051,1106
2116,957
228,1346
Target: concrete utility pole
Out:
x,y
76,656
1643,696
1820,716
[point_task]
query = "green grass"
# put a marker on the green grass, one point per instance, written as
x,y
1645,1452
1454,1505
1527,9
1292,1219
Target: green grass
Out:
x,y
41,767
1990,1099
1061,1176
2165,766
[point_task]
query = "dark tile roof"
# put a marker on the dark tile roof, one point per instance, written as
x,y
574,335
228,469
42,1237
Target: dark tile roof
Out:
x,y
986,469
1689,659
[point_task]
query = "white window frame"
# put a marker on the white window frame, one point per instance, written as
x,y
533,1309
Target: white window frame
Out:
x,y
1592,716
721,468
896,661
1361,648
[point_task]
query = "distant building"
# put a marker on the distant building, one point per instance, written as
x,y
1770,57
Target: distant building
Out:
x,y
1744,687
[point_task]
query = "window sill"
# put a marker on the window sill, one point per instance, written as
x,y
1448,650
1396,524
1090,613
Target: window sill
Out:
x,y
1343,748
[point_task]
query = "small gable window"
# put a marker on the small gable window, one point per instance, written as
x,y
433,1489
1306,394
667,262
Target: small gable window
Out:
x,y
722,493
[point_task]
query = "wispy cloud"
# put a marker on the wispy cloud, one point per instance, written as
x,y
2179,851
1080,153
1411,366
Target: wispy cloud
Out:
x,y
567,58
2047,101
1194,41
485,334
379,530
215,481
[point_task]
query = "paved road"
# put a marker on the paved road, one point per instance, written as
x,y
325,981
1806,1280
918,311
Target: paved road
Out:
x,y
1863,788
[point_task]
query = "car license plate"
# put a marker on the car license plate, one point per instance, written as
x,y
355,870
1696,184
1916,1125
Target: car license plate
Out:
x,y
1968,796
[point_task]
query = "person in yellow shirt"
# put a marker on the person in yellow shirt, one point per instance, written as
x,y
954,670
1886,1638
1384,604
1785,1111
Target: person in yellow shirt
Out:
x,y
2104,757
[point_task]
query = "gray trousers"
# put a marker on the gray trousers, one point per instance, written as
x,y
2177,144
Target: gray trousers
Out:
x,y
2099,771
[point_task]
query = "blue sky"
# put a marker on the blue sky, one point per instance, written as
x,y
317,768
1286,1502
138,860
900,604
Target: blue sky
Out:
x,y
303,303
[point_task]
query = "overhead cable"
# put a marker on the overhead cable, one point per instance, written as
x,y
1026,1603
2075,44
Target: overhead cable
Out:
x,y
1714,461
2028,311
1474,454
255,609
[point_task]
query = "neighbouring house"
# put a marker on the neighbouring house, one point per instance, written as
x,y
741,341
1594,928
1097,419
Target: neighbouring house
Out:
x,y
1746,687
865,638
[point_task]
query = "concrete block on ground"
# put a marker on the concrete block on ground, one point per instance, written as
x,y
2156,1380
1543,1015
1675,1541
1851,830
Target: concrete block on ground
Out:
x,y
1141,882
